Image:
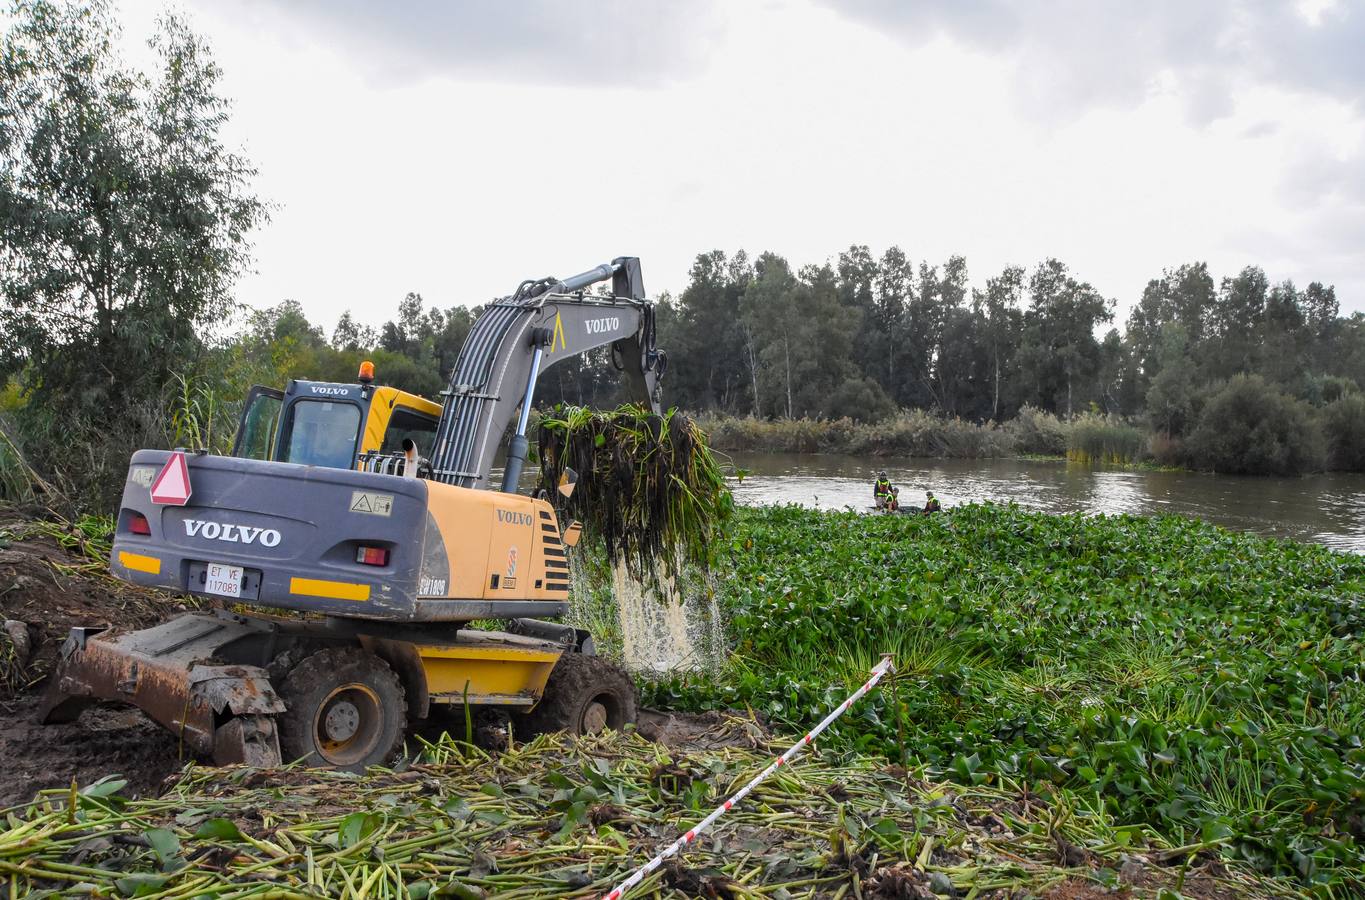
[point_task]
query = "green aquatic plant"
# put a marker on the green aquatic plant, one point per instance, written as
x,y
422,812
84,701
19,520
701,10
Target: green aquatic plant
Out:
x,y
648,485
1104,440
1190,679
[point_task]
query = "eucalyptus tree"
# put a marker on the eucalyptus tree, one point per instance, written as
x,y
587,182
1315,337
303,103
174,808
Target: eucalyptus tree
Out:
x,y
124,219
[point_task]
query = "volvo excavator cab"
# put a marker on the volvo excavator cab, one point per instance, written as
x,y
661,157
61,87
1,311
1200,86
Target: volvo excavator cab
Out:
x,y
315,423
385,565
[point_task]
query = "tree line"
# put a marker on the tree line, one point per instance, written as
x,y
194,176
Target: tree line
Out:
x,y
1234,374
861,336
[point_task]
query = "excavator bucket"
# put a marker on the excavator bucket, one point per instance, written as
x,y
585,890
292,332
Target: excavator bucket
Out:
x,y
170,673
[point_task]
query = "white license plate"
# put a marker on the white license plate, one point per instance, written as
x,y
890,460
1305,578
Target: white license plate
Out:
x,y
223,580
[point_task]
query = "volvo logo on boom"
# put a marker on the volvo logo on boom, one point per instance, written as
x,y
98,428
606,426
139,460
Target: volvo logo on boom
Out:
x,y
602,326
232,534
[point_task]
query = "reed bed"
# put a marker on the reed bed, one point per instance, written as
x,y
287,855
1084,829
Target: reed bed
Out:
x,y
1105,440
560,817
908,433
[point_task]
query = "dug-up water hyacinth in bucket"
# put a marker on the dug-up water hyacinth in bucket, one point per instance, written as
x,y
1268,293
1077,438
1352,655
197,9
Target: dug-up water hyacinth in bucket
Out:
x,y
652,494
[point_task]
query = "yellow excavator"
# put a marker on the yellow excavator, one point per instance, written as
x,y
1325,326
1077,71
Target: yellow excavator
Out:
x,y
369,511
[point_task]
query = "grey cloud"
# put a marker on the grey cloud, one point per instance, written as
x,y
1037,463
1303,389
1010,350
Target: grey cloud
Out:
x,y
600,42
1073,54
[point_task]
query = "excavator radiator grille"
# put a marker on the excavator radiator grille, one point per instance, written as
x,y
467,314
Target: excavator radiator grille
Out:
x,y
556,561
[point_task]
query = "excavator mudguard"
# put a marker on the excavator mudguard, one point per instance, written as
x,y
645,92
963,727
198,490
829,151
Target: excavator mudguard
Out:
x,y
170,673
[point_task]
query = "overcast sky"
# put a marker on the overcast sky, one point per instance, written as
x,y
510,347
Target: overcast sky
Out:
x,y
455,148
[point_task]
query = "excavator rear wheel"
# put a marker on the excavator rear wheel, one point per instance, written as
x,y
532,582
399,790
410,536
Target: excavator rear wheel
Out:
x,y
345,708
584,695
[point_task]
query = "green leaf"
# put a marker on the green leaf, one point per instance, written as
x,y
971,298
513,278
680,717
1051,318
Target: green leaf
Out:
x,y
218,830
164,843
107,786
139,885
356,827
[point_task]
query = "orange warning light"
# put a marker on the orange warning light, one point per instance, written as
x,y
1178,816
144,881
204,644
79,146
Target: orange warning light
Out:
x,y
366,372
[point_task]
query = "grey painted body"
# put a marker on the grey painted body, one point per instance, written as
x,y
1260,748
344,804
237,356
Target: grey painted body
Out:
x,y
309,508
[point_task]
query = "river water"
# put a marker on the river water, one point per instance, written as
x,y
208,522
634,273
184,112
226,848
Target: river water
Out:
x,y
1328,509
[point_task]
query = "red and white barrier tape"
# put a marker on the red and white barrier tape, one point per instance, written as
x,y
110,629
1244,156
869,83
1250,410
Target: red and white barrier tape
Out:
x,y
881,669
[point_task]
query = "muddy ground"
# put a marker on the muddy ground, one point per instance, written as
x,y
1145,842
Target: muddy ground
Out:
x,y
51,579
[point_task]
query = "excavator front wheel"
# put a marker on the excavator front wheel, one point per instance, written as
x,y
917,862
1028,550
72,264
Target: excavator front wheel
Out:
x,y
584,695
345,708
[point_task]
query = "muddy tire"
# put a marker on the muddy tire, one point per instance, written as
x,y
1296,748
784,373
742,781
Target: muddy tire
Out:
x,y
584,695
345,708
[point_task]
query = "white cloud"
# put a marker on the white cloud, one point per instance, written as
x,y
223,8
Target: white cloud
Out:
x,y
782,125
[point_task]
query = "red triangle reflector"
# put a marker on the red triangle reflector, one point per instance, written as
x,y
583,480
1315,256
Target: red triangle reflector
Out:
x,y
172,484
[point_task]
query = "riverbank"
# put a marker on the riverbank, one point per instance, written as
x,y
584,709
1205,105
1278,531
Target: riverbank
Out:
x,y
1200,683
1087,439
1238,434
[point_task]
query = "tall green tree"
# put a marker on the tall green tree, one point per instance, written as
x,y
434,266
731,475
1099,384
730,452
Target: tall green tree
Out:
x,y
1237,320
1002,319
857,291
1184,297
891,290
772,321
714,362
124,220
1061,352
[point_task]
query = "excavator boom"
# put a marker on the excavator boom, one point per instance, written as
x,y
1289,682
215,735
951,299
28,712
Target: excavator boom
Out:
x,y
545,322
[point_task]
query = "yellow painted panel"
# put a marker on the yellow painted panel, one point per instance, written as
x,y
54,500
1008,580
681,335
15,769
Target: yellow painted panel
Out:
x,y
492,677
464,517
516,654
382,402
509,548
333,590
480,531
139,563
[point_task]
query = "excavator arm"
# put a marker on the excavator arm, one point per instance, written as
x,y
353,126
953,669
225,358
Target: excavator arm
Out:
x,y
546,321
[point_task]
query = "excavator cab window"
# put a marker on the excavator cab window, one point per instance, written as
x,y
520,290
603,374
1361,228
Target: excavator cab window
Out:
x,y
260,418
320,433
409,423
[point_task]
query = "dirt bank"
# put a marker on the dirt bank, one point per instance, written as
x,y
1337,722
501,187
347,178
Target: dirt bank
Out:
x,y
53,576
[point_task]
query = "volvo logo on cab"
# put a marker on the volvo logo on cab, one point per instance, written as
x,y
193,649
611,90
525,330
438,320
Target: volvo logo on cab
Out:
x,y
514,518
233,534
329,391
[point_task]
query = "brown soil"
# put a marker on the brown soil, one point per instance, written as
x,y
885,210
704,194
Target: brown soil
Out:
x,y
51,588
702,731
116,741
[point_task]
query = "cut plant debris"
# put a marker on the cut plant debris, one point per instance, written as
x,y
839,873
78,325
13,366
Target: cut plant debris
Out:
x,y
648,486
560,817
